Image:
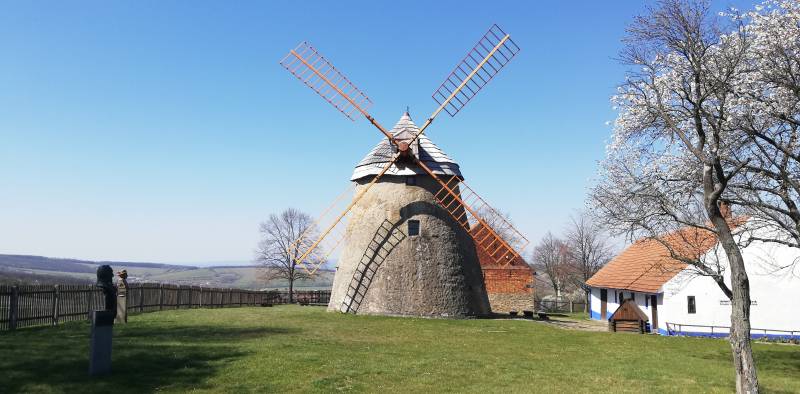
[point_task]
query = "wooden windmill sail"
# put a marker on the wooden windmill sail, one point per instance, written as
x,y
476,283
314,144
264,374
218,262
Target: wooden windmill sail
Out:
x,y
488,229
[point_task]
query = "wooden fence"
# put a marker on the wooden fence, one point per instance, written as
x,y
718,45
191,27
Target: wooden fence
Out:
x,y
37,305
554,306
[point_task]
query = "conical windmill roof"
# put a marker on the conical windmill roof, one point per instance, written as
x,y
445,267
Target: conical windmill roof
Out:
x,y
426,150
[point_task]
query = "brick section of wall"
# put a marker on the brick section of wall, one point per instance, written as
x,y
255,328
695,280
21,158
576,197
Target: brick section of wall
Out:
x,y
508,288
508,280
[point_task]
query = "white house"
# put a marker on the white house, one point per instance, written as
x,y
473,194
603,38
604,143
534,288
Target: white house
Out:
x,y
678,301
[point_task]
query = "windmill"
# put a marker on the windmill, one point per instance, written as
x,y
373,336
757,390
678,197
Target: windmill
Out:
x,y
411,242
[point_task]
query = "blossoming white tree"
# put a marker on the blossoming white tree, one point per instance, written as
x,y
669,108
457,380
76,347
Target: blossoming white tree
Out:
x,y
672,158
766,111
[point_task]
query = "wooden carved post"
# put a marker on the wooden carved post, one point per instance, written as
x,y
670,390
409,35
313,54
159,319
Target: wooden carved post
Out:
x,y
160,297
122,298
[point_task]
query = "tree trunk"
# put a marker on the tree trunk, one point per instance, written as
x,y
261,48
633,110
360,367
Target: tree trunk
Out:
x,y
587,301
746,376
291,290
743,363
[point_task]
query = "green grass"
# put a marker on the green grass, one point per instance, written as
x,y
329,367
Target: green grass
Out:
x,y
302,349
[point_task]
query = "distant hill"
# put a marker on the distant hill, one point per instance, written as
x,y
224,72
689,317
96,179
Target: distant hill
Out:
x,y
48,270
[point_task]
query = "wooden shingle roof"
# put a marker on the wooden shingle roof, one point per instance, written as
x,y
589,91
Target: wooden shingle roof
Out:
x,y
647,264
427,151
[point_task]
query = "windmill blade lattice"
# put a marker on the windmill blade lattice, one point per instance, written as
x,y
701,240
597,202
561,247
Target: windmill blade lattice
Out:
x,y
308,246
310,67
492,52
491,232
312,250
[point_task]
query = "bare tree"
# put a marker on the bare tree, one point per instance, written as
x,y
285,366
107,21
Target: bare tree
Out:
x,y
588,246
589,249
284,239
551,256
668,164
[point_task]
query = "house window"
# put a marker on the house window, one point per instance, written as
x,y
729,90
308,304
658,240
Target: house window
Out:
x,y
411,180
413,227
691,304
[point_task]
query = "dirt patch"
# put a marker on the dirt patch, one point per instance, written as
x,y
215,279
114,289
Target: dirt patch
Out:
x,y
572,324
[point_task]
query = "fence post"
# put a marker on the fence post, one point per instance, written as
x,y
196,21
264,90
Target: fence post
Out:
x,y
141,298
56,302
200,298
160,297
571,307
89,299
178,298
13,308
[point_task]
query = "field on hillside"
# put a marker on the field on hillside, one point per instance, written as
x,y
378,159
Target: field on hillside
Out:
x,y
302,349
36,269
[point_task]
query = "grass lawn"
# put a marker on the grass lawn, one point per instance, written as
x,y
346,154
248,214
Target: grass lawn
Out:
x,y
301,349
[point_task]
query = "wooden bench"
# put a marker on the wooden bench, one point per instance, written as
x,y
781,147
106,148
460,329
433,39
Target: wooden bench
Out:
x,y
543,315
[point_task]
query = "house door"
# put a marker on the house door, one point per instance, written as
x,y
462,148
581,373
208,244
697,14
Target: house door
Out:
x,y
654,303
603,303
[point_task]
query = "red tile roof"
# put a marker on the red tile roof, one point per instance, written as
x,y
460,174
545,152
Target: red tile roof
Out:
x,y
647,264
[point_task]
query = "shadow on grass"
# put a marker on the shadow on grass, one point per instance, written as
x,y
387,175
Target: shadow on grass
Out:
x,y
144,359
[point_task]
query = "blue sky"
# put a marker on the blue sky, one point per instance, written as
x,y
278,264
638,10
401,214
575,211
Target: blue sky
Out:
x,y
166,131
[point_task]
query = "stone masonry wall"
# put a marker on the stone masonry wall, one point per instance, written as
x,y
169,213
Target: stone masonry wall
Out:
x,y
502,303
384,270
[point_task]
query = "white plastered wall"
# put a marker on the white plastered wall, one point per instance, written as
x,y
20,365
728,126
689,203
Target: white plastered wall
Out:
x,y
774,291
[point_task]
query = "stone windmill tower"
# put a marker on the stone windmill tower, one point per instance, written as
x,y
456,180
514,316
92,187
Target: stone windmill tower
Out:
x,y
404,254
414,225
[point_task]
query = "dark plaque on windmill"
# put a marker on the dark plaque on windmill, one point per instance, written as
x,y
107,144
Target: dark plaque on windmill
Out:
x,y
102,324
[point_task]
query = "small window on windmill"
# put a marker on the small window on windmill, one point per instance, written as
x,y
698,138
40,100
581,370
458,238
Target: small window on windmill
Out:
x,y
411,180
413,227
